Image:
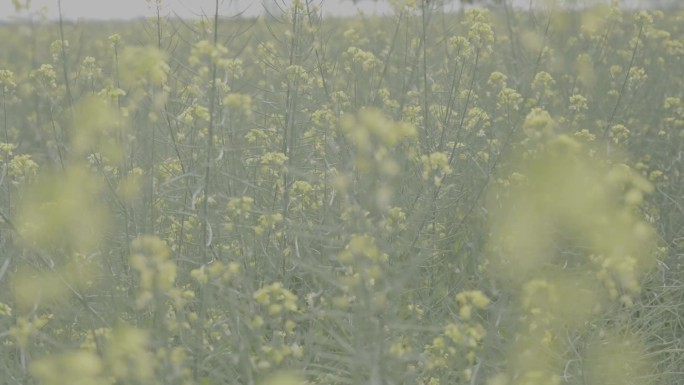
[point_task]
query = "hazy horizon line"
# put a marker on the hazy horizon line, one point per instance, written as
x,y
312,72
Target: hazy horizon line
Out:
x,y
367,8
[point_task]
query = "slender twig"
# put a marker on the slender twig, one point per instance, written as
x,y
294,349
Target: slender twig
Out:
x,y
65,69
609,123
206,229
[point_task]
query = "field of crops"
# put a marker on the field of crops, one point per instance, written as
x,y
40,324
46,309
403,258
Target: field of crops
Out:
x,y
486,197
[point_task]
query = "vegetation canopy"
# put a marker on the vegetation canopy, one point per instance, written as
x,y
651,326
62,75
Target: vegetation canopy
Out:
x,y
490,196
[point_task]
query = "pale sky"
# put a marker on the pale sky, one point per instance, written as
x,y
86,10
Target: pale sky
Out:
x,y
126,9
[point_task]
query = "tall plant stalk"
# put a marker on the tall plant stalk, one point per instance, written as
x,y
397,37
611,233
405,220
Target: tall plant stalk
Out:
x,y
206,225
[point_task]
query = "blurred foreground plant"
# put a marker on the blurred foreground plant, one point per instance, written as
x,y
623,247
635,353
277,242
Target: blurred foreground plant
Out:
x,y
568,242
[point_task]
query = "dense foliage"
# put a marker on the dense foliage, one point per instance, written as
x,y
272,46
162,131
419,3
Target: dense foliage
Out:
x,y
487,197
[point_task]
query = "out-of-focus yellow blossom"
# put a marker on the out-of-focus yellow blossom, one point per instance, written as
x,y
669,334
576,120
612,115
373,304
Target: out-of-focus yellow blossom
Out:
x,y
497,80
25,329
268,222
586,74
436,165
362,246
128,358
205,50
480,32
77,368
618,133
509,99
539,124
239,102
272,163
7,81
396,219
143,65
460,46
284,378
114,39
62,210
191,113
474,297
98,126
22,168
371,124
5,310
45,77
56,48
157,272
355,57
276,299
